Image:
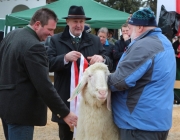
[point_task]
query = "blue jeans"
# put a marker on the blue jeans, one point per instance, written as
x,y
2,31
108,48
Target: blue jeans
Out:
x,y
20,132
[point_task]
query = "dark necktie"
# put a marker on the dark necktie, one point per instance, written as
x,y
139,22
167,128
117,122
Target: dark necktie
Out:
x,y
76,43
77,39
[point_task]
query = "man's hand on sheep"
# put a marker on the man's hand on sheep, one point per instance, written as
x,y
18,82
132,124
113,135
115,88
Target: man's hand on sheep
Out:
x,y
71,120
95,58
72,56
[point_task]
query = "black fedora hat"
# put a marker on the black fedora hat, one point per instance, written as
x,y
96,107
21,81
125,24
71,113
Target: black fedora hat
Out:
x,y
76,12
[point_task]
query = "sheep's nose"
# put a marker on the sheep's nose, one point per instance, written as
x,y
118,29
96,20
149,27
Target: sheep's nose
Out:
x,y
102,92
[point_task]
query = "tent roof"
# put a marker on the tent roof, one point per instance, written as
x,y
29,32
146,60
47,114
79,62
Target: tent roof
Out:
x,y
102,16
2,22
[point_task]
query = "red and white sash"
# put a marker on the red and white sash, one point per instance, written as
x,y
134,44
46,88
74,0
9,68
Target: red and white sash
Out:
x,y
75,78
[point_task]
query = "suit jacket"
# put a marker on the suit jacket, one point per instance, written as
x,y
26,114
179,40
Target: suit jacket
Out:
x,y
25,87
60,45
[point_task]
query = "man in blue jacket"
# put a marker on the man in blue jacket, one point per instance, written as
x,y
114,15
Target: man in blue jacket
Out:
x,y
142,85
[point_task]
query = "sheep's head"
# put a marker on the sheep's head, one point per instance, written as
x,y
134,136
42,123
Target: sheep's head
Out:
x,y
97,75
94,82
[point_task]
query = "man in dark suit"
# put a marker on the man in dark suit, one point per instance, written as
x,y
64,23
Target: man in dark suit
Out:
x,y
25,86
5,128
64,48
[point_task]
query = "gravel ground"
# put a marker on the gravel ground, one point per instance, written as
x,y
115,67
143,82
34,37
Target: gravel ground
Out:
x,y
50,131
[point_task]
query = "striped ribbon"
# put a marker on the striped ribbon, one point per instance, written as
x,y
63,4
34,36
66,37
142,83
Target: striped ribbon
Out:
x,y
75,78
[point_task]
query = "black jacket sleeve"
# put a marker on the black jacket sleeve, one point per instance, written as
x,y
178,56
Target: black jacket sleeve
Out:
x,y
36,62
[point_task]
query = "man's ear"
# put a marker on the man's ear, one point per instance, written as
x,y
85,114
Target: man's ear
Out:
x,y
67,21
36,25
140,29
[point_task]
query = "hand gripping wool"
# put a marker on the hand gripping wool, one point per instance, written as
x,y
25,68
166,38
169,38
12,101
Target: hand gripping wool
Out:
x,y
95,120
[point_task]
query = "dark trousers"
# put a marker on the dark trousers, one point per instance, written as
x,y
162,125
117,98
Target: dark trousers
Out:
x,y
64,132
5,128
127,134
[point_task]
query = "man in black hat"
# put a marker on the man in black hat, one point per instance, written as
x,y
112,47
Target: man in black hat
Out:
x,y
87,28
67,47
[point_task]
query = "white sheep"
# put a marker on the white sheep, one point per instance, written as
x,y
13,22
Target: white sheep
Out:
x,y
95,120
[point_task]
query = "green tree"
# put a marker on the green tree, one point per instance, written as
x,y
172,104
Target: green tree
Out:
x,y
128,6
150,3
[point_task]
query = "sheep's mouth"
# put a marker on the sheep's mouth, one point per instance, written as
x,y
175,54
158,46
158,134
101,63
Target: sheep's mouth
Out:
x,y
101,98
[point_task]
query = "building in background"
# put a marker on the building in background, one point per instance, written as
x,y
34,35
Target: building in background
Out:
x,y
12,6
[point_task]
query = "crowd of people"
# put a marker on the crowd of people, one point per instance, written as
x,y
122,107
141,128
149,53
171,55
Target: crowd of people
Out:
x,y
142,65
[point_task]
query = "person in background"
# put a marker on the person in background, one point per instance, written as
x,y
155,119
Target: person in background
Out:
x,y
67,48
25,86
110,38
142,85
121,44
87,28
176,46
103,35
175,38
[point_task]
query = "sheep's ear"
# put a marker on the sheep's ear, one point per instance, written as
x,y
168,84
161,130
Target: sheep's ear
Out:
x,y
78,88
109,100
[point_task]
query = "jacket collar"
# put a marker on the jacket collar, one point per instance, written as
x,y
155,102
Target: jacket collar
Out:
x,y
66,34
32,31
144,35
148,32
74,36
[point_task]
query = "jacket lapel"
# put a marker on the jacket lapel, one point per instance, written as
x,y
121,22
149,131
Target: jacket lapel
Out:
x,y
68,43
85,41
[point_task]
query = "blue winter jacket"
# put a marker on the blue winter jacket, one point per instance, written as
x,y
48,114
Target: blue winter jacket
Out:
x,y
143,84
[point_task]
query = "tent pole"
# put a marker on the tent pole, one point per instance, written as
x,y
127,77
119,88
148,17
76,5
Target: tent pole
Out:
x,y
6,28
